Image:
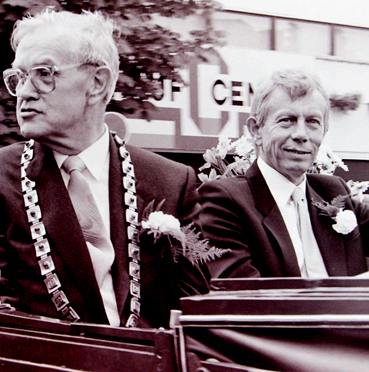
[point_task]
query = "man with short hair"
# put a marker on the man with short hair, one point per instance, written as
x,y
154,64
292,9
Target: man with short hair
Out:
x,y
272,218
72,196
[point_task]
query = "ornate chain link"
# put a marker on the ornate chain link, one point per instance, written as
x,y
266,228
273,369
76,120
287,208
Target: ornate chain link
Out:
x,y
42,246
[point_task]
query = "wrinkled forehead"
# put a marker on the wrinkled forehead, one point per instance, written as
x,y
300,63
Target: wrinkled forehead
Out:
x,y
47,44
280,97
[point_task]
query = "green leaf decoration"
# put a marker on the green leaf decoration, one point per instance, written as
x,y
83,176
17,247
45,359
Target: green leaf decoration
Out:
x,y
197,250
331,209
338,201
148,209
158,208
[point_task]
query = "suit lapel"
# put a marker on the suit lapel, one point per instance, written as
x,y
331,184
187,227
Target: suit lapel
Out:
x,y
330,243
275,224
273,220
118,226
63,228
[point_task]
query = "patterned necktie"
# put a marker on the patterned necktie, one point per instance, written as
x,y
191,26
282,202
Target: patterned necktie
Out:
x,y
93,229
313,260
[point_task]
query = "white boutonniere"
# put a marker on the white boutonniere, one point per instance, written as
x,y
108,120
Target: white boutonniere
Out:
x,y
345,220
159,224
184,240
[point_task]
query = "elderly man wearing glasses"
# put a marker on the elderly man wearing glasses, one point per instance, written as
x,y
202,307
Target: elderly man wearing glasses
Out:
x,y
72,195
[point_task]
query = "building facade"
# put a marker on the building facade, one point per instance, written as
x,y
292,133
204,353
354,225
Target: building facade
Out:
x,y
261,37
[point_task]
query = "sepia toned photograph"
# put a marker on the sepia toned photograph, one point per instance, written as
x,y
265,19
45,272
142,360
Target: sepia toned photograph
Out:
x,y
184,186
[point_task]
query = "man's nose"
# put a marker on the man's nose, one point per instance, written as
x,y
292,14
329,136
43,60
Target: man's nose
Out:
x,y
26,89
299,131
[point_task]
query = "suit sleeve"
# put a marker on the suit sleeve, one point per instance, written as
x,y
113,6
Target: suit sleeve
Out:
x,y
189,207
361,211
362,215
8,292
221,223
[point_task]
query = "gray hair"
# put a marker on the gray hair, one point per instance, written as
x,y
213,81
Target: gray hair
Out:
x,y
93,31
296,83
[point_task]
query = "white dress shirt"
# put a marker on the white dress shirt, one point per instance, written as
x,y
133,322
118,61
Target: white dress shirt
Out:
x,y
96,158
281,189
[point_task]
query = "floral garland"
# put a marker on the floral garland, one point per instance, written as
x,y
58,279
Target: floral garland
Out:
x,y
358,188
326,162
216,159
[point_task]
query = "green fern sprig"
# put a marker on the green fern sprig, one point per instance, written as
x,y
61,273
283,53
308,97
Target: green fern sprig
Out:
x,y
196,250
331,209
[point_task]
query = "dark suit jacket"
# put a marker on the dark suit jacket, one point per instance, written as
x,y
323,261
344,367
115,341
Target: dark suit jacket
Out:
x,y
240,213
163,281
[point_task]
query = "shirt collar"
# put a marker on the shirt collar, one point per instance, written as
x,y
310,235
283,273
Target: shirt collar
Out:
x,y
94,156
280,187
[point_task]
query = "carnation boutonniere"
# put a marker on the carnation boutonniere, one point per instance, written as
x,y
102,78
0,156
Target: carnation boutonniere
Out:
x,y
345,220
184,240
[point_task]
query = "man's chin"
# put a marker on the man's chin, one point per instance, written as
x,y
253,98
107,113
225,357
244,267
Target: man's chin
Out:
x,y
296,172
29,133
26,133
301,166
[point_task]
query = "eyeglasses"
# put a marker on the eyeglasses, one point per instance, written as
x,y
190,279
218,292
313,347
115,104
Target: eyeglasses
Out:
x,y
42,77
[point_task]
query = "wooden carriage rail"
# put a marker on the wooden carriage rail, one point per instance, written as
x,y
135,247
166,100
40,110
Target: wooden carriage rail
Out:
x,y
236,284
233,329
217,366
278,324
32,343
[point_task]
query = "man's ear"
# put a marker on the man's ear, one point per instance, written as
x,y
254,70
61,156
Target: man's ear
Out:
x,y
99,85
254,129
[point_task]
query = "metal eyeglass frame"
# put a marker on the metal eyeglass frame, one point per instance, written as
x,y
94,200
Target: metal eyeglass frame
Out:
x,y
25,75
